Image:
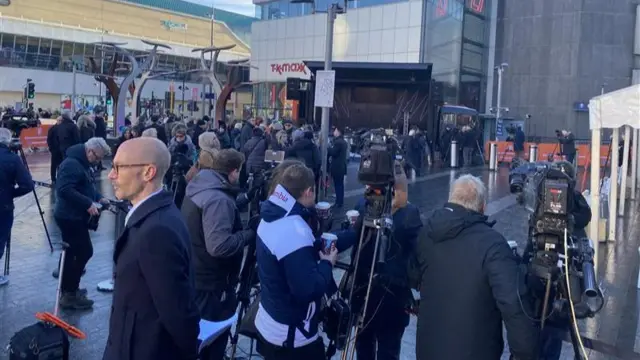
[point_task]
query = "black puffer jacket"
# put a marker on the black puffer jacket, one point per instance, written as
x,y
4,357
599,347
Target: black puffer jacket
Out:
x,y
469,282
253,151
306,151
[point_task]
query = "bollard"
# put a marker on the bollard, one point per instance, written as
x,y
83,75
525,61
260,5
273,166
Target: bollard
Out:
x,y
454,154
533,153
639,272
493,156
575,160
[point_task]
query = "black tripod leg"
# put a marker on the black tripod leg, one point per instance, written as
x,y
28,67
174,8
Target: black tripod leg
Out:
x,y
35,195
575,336
44,223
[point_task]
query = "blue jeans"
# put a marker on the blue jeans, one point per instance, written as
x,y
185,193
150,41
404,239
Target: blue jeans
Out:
x,y
6,222
338,186
551,343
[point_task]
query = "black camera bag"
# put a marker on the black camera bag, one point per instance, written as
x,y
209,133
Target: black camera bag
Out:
x,y
40,341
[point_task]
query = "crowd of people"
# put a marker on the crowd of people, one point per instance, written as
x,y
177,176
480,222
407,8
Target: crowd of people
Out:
x,y
178,262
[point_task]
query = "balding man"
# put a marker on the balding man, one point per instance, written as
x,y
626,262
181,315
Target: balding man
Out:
x,y
153,316
469,278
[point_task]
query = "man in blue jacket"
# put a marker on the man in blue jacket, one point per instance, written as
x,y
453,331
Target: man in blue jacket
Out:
x,y
15,181
386,315
294,277
76,198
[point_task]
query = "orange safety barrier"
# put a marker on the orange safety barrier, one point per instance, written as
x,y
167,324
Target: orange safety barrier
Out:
x,y
35,137
506,153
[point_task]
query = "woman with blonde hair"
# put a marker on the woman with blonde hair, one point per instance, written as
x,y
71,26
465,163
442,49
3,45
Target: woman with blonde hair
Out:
x,y
209,144
87,128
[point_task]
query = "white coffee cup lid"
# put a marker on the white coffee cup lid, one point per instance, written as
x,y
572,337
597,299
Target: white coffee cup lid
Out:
x,y
329,236
323,206
353,213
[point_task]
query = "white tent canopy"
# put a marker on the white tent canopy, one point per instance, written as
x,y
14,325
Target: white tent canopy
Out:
x,y
616,109
613,110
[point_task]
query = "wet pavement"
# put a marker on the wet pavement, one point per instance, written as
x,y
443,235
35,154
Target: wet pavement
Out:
x,y
32,288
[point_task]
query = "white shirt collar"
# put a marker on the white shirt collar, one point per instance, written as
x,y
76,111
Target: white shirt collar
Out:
x,y
126,220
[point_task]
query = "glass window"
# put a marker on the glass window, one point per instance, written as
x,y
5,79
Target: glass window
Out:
x,y
21,44
8,41
474,28
67,49
470,91
472,58
45,47
477,6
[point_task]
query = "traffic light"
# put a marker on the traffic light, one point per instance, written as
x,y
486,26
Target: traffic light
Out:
x,y
31,90
109,98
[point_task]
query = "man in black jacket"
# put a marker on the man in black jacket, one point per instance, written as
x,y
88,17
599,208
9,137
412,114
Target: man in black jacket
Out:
x,y
67,134
567,144
76,198
338,153
217,240
54,149
160,129
471,284
153,313
15,181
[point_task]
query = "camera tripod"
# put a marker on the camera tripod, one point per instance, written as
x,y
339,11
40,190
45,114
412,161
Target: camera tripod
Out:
x,y
16,148
247,276
376,219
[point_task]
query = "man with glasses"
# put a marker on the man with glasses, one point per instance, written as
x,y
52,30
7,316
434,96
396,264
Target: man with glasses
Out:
x,y
153,313
76,202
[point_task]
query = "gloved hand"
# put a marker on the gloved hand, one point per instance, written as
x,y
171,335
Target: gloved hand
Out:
x,y
253,223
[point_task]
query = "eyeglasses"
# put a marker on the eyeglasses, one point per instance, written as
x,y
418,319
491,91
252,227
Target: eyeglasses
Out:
x,y
116,167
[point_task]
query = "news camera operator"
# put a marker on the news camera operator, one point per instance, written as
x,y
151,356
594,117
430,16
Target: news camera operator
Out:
x,y
76,198
176,176
15,181
386,315
555,327
470,284
294,276
567,144
217,238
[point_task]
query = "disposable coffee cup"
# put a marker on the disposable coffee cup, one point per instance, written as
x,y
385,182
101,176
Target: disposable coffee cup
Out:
x,y
352,216
329,242
323,209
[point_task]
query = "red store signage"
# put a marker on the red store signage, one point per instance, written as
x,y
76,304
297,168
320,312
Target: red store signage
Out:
x,y
289,67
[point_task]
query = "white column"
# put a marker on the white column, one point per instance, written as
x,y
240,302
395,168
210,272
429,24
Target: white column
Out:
x,y
613,192
625,168
595,193
634,164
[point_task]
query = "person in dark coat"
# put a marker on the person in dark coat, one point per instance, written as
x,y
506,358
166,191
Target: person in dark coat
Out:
x,y
15,181
101,124
414,150
86,127
199,129
386,315
54,149
305,150
567,144
160,129
76,202
518,143
153,312
67,134
470,284
254,151
246,132
223,136
338,153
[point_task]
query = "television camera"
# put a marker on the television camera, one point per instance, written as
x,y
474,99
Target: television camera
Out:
x,y
560,267
378,168
16,122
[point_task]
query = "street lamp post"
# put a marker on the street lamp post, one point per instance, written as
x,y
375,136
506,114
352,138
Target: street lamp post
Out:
x,y
500,69
332,13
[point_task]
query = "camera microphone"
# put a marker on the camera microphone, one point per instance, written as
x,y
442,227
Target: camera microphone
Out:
x,y
383,248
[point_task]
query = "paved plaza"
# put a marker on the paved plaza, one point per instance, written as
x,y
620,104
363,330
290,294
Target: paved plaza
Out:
x,y
32,288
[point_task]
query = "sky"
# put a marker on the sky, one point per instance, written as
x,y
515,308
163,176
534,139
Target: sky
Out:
x,y
244,7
